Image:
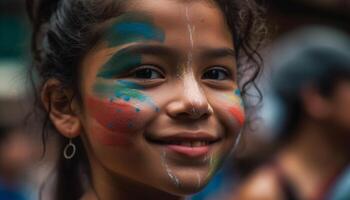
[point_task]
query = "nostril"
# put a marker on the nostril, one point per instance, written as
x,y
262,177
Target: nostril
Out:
x,y
204,116
192,116
197,113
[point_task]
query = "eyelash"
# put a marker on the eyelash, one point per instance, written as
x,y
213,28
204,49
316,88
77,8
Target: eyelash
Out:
x,y
142,68
226,72
160,73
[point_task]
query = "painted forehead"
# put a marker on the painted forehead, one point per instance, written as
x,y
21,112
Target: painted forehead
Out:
x,y
133,27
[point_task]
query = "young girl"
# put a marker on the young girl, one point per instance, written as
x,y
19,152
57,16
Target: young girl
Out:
x,y
144,93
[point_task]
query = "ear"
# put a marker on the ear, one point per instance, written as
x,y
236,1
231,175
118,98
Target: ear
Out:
x,y
314,104
62,107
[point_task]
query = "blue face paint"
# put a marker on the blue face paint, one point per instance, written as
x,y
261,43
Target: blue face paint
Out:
x,y
130,84
237,92
127,32
133,27
123,90
120,63
128,28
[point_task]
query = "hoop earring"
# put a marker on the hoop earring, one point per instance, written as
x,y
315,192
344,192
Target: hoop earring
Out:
x,y
70,146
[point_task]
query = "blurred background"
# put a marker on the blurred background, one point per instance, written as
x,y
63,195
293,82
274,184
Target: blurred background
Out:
x,y
261,146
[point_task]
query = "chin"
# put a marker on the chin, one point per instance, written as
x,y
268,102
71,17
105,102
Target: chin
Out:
x,y
188,182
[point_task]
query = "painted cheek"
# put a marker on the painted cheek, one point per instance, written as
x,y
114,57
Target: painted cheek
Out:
x,y
116,120
238,114
236,108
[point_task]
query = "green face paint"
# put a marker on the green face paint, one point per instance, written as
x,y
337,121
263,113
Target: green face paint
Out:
x,y
120,63
128,28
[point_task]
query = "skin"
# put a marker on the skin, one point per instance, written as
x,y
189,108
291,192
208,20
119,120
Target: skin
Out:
x,y
192,88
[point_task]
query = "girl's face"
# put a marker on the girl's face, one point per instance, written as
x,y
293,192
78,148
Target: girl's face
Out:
x,y
161,102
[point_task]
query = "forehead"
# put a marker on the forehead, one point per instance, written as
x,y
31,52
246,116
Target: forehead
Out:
x,y
174,17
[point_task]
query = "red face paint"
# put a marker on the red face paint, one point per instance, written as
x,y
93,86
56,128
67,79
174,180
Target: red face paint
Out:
x,y
116,119
238,114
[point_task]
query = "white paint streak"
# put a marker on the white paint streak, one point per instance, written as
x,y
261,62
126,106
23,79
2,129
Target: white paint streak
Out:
x,y
211,160
238,139
190,84
191,29
198,180
169,172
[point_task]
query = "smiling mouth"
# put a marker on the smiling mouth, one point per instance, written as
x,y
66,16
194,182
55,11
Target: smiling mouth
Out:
x,y
189,145
196,143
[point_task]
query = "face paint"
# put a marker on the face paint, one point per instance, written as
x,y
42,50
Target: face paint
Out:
x,y
116,116
214,163
123,90
116,119
117,107
237,114
236,106
190,82
118,104
128,28
198,180
169,172
133,27
120,63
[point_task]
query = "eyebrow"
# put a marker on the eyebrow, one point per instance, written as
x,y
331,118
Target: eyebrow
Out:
x,y
212,53
161,50
152,49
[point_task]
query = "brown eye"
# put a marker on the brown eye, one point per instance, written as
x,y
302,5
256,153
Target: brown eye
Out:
x,y
147,73
216,74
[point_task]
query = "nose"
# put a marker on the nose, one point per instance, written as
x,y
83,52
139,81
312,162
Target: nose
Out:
x,y
190,102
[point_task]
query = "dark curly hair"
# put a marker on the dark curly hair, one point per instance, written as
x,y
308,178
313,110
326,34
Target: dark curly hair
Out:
x,y
65,30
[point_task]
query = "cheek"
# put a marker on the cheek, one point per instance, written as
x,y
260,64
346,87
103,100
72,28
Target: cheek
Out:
x,y
237,113
116,120
233,105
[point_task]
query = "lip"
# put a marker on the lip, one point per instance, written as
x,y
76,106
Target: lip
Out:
x,y
189,144
189,151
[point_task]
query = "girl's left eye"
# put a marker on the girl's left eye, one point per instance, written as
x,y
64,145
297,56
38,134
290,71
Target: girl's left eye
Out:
x,y
147,73
216,74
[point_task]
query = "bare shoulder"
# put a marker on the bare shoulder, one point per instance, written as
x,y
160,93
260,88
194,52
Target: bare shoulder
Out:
x,y
261,185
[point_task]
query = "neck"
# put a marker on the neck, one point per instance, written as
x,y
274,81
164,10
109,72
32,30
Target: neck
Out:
x,y
109,186
313,157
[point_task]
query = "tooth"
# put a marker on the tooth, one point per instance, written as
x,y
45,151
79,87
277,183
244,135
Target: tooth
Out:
x,y
196,144
187,144
193,144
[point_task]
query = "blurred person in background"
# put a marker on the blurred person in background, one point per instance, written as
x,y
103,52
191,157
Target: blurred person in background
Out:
x,y
22,171
18,152
15,158
312,86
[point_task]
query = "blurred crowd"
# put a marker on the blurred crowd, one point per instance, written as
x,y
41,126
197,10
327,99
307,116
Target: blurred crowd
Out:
x,y
297,146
